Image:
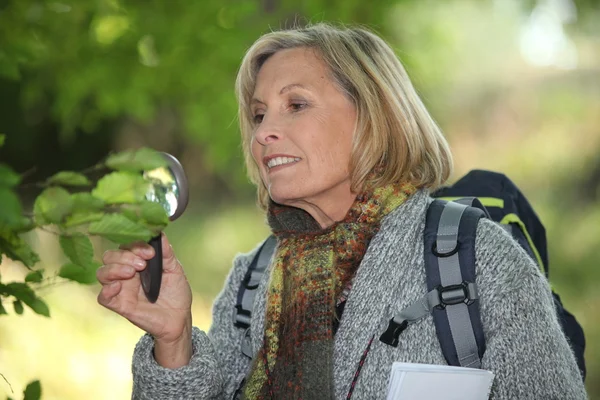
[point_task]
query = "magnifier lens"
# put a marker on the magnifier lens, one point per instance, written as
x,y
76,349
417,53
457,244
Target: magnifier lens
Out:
x,y
163,189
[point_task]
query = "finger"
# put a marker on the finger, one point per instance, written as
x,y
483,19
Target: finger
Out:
x,y
141,249
108,293
107,274
170,262
125,257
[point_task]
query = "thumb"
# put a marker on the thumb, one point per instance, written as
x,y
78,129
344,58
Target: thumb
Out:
x,y
170,262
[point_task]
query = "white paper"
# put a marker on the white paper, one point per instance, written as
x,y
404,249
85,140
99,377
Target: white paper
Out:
x,y
425,381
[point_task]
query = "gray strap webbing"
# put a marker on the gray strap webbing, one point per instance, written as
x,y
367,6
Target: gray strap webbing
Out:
x,y
449,267
250,289
255,276
466,201
423,307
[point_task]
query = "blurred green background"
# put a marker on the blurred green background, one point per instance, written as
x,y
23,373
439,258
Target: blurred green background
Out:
x,y
515,86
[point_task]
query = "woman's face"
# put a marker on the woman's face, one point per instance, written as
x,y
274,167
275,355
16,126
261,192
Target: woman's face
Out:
x,y
303,132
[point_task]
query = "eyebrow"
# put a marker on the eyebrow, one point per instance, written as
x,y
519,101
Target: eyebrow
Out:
x,y
284,89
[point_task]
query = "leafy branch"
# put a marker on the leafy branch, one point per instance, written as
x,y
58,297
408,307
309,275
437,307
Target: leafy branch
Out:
x,y
75,207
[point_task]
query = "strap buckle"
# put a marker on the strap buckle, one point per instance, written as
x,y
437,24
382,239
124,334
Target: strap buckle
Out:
x,y
465,292
392,333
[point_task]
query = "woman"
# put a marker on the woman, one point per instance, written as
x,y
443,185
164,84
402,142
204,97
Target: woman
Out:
x,y
343,154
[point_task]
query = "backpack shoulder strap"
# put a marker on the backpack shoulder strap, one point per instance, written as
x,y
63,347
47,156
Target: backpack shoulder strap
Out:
x,y
450,267
452,298
249,288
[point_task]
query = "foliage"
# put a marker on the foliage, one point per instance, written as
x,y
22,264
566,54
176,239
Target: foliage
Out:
x,y
82,64
115,208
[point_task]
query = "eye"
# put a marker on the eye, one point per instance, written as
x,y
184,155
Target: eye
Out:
x,y
297,106
258,118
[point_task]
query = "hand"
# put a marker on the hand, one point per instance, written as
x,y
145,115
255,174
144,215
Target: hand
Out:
x,y
169,319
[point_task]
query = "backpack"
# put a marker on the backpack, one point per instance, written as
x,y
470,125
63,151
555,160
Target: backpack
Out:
x,y
449,253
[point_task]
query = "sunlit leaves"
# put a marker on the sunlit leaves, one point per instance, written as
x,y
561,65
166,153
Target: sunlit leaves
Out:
x,y
108,28
82,218
69,178
83,274
119,229
78,248
148,213
21,291
121,187
143,159
52,205
86,202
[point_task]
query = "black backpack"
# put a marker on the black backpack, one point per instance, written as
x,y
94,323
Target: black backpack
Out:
x,y
450,263
452,293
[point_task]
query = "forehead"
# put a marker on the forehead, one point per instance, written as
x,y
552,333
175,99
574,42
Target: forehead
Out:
x,y
300,65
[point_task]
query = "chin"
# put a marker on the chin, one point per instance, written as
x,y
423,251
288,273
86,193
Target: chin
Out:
x,y
284,197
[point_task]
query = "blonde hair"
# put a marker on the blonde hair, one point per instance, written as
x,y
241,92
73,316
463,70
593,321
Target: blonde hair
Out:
x,y
395,134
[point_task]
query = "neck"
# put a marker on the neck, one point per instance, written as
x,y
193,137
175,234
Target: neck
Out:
x,y
326,210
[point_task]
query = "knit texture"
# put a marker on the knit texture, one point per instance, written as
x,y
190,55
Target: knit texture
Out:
x,y
526,349
311,268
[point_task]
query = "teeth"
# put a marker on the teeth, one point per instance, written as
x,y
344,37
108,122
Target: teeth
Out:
x,y
281,160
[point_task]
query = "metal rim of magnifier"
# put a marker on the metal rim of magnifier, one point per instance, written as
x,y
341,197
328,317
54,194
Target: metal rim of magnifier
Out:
x,y
182,185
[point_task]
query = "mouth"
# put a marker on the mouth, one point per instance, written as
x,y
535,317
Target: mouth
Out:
x,y
273,162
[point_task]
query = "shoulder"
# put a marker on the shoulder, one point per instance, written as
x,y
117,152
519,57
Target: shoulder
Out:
x,y
410,214
500,261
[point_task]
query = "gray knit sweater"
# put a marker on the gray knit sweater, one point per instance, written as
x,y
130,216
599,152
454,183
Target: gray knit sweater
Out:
x,y
526,349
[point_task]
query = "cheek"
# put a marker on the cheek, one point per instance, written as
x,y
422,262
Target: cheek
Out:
x,y
255,150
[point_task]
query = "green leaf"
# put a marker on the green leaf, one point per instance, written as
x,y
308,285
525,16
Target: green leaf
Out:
x,y
8,177
10,211
2,139
78,273
35,276
23,292
82,218
150,214
25,225
69,178
78,248
2,309
121,187
18,305
119,229
17,249
154,213
86,202
33,391
143,159
52,206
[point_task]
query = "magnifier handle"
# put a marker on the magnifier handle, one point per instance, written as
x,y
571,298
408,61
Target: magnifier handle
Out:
x,y
151,276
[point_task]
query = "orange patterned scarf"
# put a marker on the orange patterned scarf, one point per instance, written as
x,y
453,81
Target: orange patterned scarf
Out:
x,y
311,268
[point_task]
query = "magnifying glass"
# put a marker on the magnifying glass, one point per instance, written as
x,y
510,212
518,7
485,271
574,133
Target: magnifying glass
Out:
x,y
170,189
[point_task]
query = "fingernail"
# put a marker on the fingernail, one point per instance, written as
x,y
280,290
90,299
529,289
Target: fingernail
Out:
x,y
139,263
147,252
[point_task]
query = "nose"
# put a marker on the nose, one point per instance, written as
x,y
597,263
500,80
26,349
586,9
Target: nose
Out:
x,y
268,131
